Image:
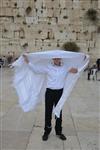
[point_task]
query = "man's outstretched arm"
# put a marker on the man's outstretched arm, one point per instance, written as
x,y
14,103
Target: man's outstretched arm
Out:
x,y
34,68
26,59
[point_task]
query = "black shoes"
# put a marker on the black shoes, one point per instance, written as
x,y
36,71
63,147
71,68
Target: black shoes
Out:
x,y
45,137
61,136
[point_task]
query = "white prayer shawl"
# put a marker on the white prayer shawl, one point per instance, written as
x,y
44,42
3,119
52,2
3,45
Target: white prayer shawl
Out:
x,y
31,86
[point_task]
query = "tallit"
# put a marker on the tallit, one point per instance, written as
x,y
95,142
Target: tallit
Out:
x,y
30,86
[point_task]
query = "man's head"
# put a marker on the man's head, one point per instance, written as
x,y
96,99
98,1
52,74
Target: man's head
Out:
x,y
57,61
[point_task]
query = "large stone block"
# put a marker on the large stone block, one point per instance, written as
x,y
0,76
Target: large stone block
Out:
x,y
56,12
80,36
50,12
61,35
43,21
4,42
98,45
16,34
91,44
62,3
38,4
22,3
76,4
6,20
23,41
8,34
5,3
19,20
63,13
82,45
39,34
52,21
63,21
16,3
18,12
31,20
99,4
14,42
75,15
50,4
92,28
27,3
3,50
46,47
67,4
44,13
85,4
39,13
14,26
31,43
6,11
38,42
63,26
72,36
9,48
76,28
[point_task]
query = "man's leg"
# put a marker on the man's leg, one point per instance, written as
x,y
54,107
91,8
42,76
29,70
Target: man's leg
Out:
x,y
48,113
58,125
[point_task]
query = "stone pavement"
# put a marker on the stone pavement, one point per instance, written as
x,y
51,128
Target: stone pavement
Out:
x,y
23,131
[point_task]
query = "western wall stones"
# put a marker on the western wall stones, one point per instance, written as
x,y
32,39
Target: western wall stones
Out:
x,y
47,24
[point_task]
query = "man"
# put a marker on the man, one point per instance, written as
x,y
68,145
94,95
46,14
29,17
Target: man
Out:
x,y
94,72
56,73
98,64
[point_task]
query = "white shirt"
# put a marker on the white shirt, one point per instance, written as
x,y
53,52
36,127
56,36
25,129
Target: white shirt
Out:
x,y
55,74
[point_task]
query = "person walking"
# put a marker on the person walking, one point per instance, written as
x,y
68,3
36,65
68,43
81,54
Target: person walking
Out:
x,y
94,72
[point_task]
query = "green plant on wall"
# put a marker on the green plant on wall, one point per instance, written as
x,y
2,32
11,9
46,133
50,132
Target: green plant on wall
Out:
x,y
71,46
28,10
92,14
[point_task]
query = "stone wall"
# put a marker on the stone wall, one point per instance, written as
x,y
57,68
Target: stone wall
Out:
x,y
47,24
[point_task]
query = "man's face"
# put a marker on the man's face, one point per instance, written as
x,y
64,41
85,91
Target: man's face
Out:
x,y
57,61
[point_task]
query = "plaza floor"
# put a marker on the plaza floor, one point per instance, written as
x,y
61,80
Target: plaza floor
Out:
x,y
23,131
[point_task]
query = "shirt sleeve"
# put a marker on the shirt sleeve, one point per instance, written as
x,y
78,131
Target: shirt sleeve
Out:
x,y
37,69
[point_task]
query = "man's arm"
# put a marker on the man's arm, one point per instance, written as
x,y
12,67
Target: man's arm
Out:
x,y
36,69
26,59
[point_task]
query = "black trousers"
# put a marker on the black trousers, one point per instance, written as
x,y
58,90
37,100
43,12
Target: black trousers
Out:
x,y
51,99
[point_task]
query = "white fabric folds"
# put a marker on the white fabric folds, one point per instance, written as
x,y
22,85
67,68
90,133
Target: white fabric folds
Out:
x,y
30,86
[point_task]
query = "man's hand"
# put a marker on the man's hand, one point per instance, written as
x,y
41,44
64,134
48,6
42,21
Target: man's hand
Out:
x,y
26,59
73,70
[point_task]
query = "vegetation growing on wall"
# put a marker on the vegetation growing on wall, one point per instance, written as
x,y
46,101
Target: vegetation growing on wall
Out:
x,y
92,15
71,46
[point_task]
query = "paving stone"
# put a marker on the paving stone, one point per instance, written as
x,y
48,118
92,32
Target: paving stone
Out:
x,y
17,120
91,124
72,143
89,140
12,140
